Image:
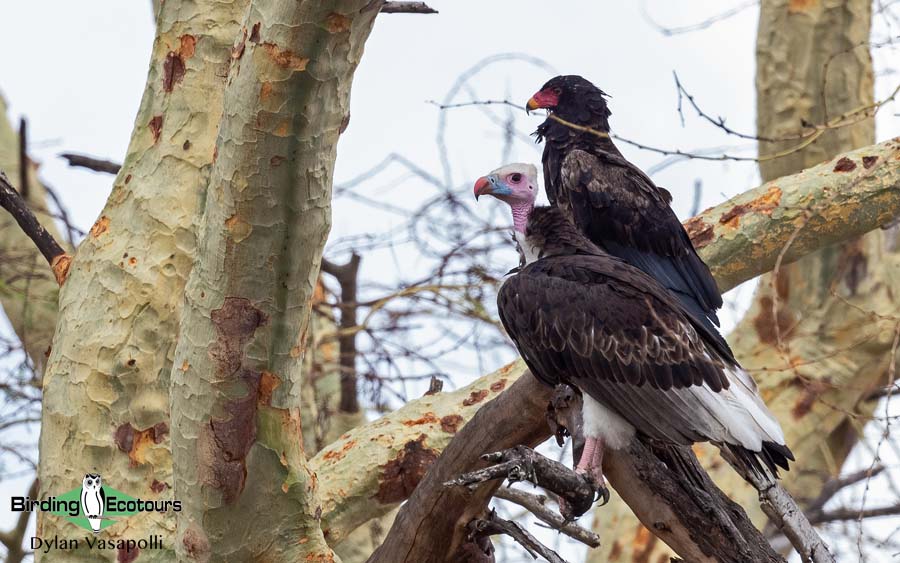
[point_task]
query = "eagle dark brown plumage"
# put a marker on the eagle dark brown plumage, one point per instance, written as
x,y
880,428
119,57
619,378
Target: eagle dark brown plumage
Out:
x,y
612,201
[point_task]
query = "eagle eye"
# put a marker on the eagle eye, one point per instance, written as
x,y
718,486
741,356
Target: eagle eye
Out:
x,y
515,178
557,90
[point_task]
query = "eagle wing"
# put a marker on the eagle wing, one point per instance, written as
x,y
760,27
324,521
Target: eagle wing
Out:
x,y
618,207
613,332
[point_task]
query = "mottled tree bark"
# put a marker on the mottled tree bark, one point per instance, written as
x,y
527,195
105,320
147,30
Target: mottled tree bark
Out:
x,y
236,434
818,336
106,385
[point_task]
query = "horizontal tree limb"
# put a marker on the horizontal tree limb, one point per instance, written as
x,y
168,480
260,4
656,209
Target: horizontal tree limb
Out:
x,y
792,216
91,163
407,8
493,525
16,205
869,194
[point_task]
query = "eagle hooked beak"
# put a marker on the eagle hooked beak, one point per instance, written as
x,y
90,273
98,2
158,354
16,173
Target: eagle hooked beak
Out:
x,y
532,105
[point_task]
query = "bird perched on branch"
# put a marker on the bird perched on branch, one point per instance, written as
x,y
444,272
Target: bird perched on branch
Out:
x,y
643,361
613,203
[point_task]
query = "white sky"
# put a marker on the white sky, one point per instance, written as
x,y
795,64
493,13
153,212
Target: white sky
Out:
x,y
78,76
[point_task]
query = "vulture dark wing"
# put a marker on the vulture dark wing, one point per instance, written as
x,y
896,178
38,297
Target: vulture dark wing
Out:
x,y
613,332
618,207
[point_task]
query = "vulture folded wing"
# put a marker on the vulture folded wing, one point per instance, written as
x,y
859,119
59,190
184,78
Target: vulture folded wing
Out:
x,y
619,207
613,332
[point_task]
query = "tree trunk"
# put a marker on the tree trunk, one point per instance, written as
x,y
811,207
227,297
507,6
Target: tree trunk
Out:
x,y
236,438
827,350
106,385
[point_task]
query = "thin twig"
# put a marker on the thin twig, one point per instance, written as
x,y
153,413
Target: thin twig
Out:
x,y
24,188
91,163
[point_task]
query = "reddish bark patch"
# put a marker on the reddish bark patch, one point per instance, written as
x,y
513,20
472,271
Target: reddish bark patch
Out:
x,y
844,165
854,265
127,554
869,161
285,58
450,423
127,179
615,553
276,161
235,322
238,50
195,542
428,418
783,284
475,397
156,125
158,486
225,443
254,33
186,146
401,475
268,382
765,321
763,204
335,455
337,23
700,231
799,6
135,442
173,71
812,390
345,122
498,385
100,226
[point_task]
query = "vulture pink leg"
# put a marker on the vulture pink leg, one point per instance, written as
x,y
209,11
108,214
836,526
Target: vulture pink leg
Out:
x,y
591,465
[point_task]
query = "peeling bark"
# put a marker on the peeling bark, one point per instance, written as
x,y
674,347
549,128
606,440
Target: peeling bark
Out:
x,y
119,309
236,433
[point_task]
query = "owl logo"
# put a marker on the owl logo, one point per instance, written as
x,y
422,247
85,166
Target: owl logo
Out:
x,y
93,499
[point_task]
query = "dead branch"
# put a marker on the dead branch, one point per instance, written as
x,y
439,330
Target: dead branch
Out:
x,y
16,205
347,277
537,505
91,163
522,463
492,525
783,510
407,8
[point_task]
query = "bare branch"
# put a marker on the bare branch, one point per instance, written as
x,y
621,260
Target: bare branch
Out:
x,y
91,163
537,505
407,8
58,259
12,539
493,525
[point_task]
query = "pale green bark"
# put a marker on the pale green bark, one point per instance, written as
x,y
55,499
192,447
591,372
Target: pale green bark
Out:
x,y
834,348
106,384
236,433
28,291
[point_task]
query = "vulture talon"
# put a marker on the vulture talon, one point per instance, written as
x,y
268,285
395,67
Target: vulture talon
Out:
x,y
603,494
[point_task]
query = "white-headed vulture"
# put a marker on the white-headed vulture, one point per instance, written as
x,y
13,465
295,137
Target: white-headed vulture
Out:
x,y
612,201
643,361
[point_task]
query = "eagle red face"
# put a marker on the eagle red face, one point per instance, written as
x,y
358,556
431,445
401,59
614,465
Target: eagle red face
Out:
x,y
547,98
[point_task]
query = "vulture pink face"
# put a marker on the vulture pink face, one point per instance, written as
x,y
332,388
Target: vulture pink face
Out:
x,y
514,184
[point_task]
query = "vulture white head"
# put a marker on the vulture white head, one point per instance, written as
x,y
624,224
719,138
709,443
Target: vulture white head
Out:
x,y
517,185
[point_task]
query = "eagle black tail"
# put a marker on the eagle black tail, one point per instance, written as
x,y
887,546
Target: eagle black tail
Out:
x,y
764,463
